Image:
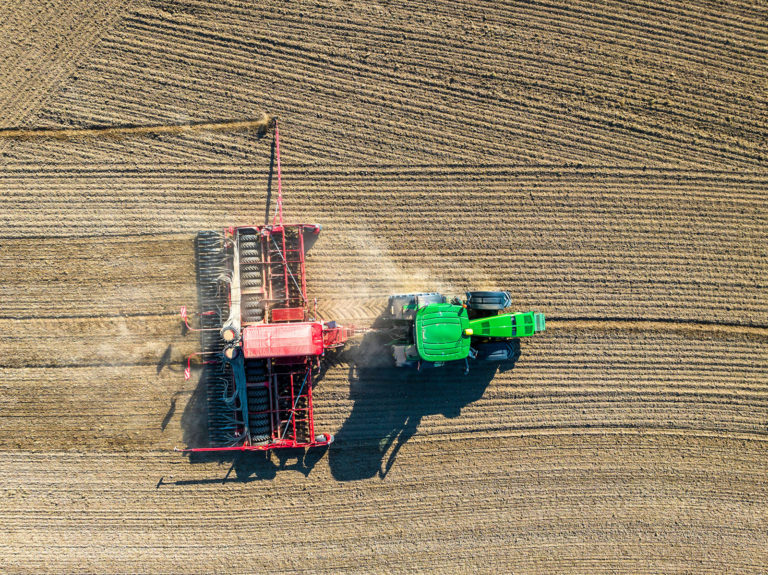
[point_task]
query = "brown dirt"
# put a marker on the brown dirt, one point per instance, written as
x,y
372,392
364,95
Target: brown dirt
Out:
x,y
605,163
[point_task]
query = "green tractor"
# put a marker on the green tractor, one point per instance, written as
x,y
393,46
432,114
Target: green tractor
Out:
x,y
429,331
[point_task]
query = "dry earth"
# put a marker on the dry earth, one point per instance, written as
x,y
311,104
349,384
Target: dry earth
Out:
x,y
607,163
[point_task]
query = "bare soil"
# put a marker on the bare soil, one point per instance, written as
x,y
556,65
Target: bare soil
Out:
x,y
606,164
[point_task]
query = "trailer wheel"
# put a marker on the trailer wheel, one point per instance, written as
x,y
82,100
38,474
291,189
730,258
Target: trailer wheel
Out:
x,y
323,438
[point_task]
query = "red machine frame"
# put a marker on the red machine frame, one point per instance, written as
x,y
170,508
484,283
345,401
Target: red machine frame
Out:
x,y
266,277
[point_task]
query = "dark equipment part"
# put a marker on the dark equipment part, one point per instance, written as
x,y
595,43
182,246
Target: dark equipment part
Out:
x,y
497,351
488,300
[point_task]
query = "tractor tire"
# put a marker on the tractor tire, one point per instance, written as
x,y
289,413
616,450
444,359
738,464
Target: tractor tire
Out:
x,y
498,351
488,300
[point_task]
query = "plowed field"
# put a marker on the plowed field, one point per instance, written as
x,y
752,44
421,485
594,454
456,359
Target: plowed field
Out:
x,y
605,163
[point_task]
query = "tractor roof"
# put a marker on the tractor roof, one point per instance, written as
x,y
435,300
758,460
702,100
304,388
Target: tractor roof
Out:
x,y
440,332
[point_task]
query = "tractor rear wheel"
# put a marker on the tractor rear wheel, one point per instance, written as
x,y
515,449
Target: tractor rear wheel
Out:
x,y
498,350
488,300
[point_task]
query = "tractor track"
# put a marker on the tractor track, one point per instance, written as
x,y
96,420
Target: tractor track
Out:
x,y
605,163
758,332
260,126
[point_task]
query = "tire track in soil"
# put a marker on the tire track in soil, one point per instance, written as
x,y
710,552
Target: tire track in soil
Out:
x,y
757,333
260,125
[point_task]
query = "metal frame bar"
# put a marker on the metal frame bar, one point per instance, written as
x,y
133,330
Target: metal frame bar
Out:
x,y
286,271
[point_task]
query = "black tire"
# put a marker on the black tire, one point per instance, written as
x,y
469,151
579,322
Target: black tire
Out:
x,y
488,300
498,350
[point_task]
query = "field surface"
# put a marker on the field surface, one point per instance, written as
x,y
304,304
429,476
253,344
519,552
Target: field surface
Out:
x,y
605,162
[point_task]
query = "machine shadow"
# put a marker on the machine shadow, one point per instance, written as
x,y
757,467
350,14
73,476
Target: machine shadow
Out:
x,y
256,465
390,403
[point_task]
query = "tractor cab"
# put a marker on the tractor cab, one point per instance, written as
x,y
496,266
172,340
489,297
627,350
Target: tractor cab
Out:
x,y
442,332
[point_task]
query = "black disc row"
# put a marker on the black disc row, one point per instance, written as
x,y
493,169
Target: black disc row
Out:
x,y
212,296
251,276
258,400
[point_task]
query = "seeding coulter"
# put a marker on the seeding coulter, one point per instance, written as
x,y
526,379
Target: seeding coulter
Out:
x,y
262,345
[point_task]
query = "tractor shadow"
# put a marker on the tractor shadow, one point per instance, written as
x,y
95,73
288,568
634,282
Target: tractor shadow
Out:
x,y
390,403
